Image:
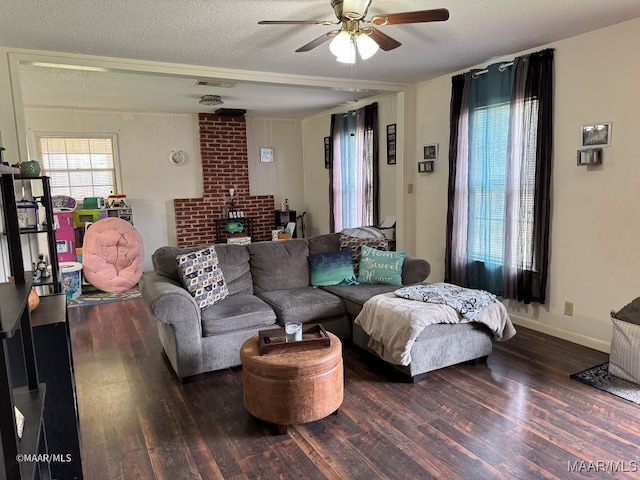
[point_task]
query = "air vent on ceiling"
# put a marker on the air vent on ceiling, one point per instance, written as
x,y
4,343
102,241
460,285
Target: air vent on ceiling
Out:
x,y
214,83
230,112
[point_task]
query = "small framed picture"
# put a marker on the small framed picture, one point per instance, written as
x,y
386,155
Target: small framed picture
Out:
x,y
327,152
430,152
426,166
595,135
391,144
266,155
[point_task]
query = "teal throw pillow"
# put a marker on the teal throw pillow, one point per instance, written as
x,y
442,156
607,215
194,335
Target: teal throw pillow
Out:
x,y
333,268
380,267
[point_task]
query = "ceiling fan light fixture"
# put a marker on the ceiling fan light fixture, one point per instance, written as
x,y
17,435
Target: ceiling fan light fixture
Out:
x,y
343,47
348,56
341,44
210,100
367,46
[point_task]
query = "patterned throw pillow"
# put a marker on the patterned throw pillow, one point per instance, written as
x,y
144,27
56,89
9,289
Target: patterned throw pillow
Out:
x,y
380,267
334,268
354,244
202,277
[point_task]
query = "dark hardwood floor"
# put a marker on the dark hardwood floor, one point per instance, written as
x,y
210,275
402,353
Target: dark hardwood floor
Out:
x,y
517,416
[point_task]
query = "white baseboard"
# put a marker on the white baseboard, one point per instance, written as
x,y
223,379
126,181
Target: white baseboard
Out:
x,y
574,337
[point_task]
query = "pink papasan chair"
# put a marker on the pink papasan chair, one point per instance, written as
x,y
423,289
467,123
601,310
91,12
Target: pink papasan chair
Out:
x,y
112,255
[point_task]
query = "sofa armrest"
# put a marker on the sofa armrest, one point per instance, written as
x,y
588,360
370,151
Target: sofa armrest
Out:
x,y
415,270
170,303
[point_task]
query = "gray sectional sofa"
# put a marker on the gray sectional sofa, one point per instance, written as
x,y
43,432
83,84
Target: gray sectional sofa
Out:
x,y
269,283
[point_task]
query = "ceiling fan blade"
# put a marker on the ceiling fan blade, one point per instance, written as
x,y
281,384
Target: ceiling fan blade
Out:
x,y
385,42
295,22
318,41
435,15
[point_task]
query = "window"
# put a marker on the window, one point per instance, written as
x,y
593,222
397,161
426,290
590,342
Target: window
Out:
x,y
78,166
499,182
354,169
487,178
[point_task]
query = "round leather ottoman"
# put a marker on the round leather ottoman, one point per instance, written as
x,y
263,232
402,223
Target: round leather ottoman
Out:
x,y
291,386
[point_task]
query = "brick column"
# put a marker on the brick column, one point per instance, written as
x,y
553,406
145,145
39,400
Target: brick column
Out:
x,y
225,165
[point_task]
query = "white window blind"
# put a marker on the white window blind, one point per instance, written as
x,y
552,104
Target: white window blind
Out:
x,y
79,167
488,184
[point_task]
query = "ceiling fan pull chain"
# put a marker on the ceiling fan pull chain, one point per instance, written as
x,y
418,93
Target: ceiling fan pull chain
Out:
x,y
353,82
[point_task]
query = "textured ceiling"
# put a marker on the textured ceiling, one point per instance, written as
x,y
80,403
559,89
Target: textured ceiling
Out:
x,y
224,34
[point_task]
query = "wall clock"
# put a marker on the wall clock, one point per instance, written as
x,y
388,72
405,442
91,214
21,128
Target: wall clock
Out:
x,y
176,157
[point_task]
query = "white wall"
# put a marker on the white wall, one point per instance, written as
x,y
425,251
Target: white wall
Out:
x,y
316,177
145,141
151,182
284,178
595,222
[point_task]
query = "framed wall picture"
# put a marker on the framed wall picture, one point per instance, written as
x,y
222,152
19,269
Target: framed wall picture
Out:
x,y
595,135
426,166
266,155
430,152
391,144
327,152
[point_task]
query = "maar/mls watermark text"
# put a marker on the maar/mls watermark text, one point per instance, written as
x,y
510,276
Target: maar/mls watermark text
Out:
x,y
44,457
603,466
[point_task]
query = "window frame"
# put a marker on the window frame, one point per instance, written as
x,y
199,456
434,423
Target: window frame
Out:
x,y
83,135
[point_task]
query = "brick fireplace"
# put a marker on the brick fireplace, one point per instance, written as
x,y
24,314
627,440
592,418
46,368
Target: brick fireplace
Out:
x,y
225,165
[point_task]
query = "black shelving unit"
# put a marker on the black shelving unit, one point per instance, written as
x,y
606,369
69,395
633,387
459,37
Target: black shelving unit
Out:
x,y
284,217
30,399
48,229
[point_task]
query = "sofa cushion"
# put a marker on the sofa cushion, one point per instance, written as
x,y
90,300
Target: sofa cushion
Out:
x,y
234,263
378,267
305,304
327,242
164,260
202,277
279,265
354,244
237,312
233,260
332,268
354,296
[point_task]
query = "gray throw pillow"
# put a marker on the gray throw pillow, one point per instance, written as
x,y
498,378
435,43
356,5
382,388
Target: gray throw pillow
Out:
x,y
202,276
355,244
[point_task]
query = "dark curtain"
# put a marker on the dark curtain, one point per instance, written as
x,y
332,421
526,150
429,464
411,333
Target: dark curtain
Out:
x,y
525,258
458,274
534,80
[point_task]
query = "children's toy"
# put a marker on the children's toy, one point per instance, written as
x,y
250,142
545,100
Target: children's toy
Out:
x,y
63,202
41,269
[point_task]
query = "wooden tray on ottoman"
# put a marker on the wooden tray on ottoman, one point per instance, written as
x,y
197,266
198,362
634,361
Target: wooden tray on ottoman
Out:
x,y
313,334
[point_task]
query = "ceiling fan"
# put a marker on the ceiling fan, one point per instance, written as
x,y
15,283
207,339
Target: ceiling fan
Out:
x,y
357,33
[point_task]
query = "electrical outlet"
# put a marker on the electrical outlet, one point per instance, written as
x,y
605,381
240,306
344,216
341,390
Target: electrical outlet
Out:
x,y
568,309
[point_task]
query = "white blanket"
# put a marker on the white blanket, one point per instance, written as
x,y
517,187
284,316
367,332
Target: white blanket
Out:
x,y
393,323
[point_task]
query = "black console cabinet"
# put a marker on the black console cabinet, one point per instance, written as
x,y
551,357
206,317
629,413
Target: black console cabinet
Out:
x,y
52,344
